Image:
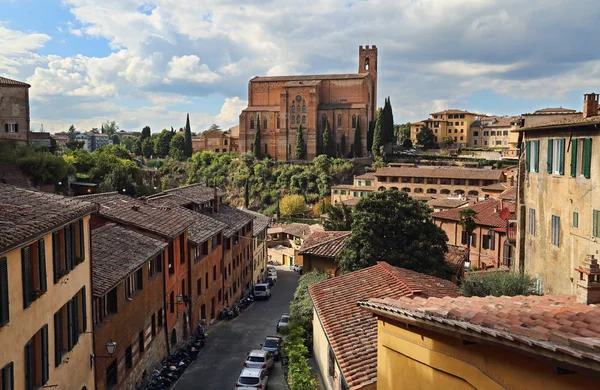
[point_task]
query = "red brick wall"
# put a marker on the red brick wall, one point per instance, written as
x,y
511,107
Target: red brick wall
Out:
x,y
174,280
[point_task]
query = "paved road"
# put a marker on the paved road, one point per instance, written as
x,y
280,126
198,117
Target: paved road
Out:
x,y
220,363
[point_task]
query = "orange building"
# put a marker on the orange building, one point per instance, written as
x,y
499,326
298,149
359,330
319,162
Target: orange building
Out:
x,y
282,103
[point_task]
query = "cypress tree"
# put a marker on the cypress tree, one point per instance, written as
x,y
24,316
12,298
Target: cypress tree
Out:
x,y
378,134
246,195
300,146
390,121
343,146
370,132
327,144
357,146
257,138
188,150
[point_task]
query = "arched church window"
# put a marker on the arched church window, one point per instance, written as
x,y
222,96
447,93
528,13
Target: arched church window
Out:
x,y
354,121
339,121
298,109
367,63
298,119
251,123
303,109
293,109
303,119
293,120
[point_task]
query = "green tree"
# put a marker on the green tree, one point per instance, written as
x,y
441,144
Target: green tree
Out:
x,y
115,139
370,134
338,218
403,131
391,226
292,205
388,121
343,146
425,138
407,143
327,143
257,142
163,143
214,126
357,145
448,140
177,147
378,140
137,147
72,133
188,150
300,145
497,284
110,128
146,133
466,220
147,147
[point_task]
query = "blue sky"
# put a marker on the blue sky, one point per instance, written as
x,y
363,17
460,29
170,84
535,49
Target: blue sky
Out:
x,y
149,62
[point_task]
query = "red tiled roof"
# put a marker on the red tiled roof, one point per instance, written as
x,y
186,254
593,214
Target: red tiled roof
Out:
x,y
509,194
262,108
455,258
555,109
324,244
572,121
234,218
194,193
441,172
26,214
260,223
366,176
453,111
488,213
551,322
295,229
311,77
13,83
495,187
447,202
352,332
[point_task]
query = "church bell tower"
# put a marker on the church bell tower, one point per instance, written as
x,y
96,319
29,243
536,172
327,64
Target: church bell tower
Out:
x,y
367,63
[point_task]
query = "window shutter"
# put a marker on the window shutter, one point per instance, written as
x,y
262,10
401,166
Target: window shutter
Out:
x,y
8,374
26,271
550,152
595,223
6,127
4,307
493,241
45,354
574,157
57,339
67,233
83,310
528,156
81,240
70,335
587,157
42,264
29,366
75,311
537,156
55,257
561,156
16,127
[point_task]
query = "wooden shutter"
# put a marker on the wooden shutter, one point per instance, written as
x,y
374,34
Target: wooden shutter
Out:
x,y
493,241
4,307
595,223
70,335
75,310
528,156
57,338
81,240
68,252
26,273
561,156
42,264
83,310
29,366
587,157
8,375
550,152
45,368
537,156
574,157
72,249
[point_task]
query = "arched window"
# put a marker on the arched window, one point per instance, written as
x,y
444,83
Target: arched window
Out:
x,y
225,142
406,189
431,191
265,124
473,193
445,191
339,121
293,109
303,119
277,122
367,63
298,119
293,120
354,121
298,109
303,109
251,124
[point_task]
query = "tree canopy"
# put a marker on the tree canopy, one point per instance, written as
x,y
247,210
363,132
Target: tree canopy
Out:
x,y
327,146
300,145
425,138
177,147
188,150
393,227
292,205
448,140
378,140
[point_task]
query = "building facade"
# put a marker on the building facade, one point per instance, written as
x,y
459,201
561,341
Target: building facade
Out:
x,y
259,246
45,291
558,212
494,132
447,123
14,111
283,103
216,141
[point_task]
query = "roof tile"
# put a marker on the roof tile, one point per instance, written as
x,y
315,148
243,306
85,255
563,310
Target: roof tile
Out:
x,y
324,244
442,172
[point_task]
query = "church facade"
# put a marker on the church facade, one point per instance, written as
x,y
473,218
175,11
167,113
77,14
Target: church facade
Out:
x,y
282,103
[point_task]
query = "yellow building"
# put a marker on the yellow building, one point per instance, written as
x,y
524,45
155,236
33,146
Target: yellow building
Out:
x,y
558,204
320,250
486,343
45,293
494,132
259,246
452,123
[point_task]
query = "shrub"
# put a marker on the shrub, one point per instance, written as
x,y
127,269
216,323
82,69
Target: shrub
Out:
x,y
497,283
407,143
292,205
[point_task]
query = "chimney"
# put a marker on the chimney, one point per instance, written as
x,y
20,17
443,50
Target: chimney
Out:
x,y
135,207
217,200
588,285
590,104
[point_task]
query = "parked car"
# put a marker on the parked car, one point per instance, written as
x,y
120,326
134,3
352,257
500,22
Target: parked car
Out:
x,y
295,268
273,275
262,291
258,358
253,378
271,268
273,344
271,281
298,268
283,322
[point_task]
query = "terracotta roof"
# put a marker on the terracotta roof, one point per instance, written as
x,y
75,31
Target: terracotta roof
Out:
x,y
497,121
196,193
311,77
351,202
352,332
262,108
441,172
127,210
234,218
324,244
39,135
203,227
345,186
488,213
295,229
551,322
553,110
339,106
366,176
455,258
4,81
573,121
453,111
27,214
447,202
261,222
509,194
117,252
495,187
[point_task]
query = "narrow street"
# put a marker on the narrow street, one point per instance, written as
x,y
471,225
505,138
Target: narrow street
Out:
x,y
220,363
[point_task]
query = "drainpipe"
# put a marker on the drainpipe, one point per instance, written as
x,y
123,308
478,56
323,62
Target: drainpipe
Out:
x,y
165,311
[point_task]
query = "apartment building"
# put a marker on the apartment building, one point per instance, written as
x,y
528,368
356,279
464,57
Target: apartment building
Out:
x,y
495,132
452,123
217,141
45,294
14,111
128,307
259,246
558,210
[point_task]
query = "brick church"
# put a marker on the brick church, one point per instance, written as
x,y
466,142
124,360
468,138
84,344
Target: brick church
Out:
x,y
348,101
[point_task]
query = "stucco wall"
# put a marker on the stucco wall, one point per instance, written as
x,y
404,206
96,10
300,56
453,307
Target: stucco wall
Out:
x,y
14,108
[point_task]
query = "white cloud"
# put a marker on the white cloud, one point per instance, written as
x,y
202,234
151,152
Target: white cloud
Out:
x,y
17,47
189,68
470,69
230,111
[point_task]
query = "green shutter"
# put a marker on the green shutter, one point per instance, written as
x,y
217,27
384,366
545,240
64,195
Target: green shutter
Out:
x,y
587,157
81,240
574,157
45,368
26,276
528,156
550,151
57,339
561,156
42,264
8,377
29,366
575,219
4,307
537,156
69,324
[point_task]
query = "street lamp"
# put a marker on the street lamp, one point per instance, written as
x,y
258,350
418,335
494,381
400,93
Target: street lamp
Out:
x,y
111,346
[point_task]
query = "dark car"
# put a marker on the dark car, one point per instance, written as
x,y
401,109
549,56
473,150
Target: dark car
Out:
x,y
273,344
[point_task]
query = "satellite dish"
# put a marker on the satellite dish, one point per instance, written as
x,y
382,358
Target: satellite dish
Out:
x,y
505,213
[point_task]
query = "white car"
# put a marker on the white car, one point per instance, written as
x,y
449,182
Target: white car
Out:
x,y
283,322
258,358
254,378
262,291
271,268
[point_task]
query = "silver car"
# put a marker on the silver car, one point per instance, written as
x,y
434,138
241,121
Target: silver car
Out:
x,y
259,359
254,378
283,322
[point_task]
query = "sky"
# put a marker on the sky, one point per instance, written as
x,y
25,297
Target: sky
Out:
x,y
150,62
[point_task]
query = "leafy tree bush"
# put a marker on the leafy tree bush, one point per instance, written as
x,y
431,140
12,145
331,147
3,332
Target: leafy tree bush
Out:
x,y
425,138
147,147
407,143
292,205
497,283
177,147
301,307
448,140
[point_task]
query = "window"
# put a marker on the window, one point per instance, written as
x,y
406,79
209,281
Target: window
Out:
x,y
293,109
368,183
555,230
225,142
214,272
303,119
251,124
492,133
69,322
556,156
475,142
505,133
219,296
7,377
343,192
339,122
476,134
153,324
182,249
359,183
596,223
356,194
575,219
133,283
172,302
206,279
486,133
128,358
265,124
581,155
141,342
354,121
532,156
456,123
485,142
171,259
11,127
303,109
335,191
278,122
4,305
154,267
36,360
199,286
461,137
33,266
111,375
266,149
215,242
532,222
489,241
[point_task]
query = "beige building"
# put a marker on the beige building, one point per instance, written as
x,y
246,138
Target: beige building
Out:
x,y
259,246
14,111
495,132
453,123
45,291
558,207
217,141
